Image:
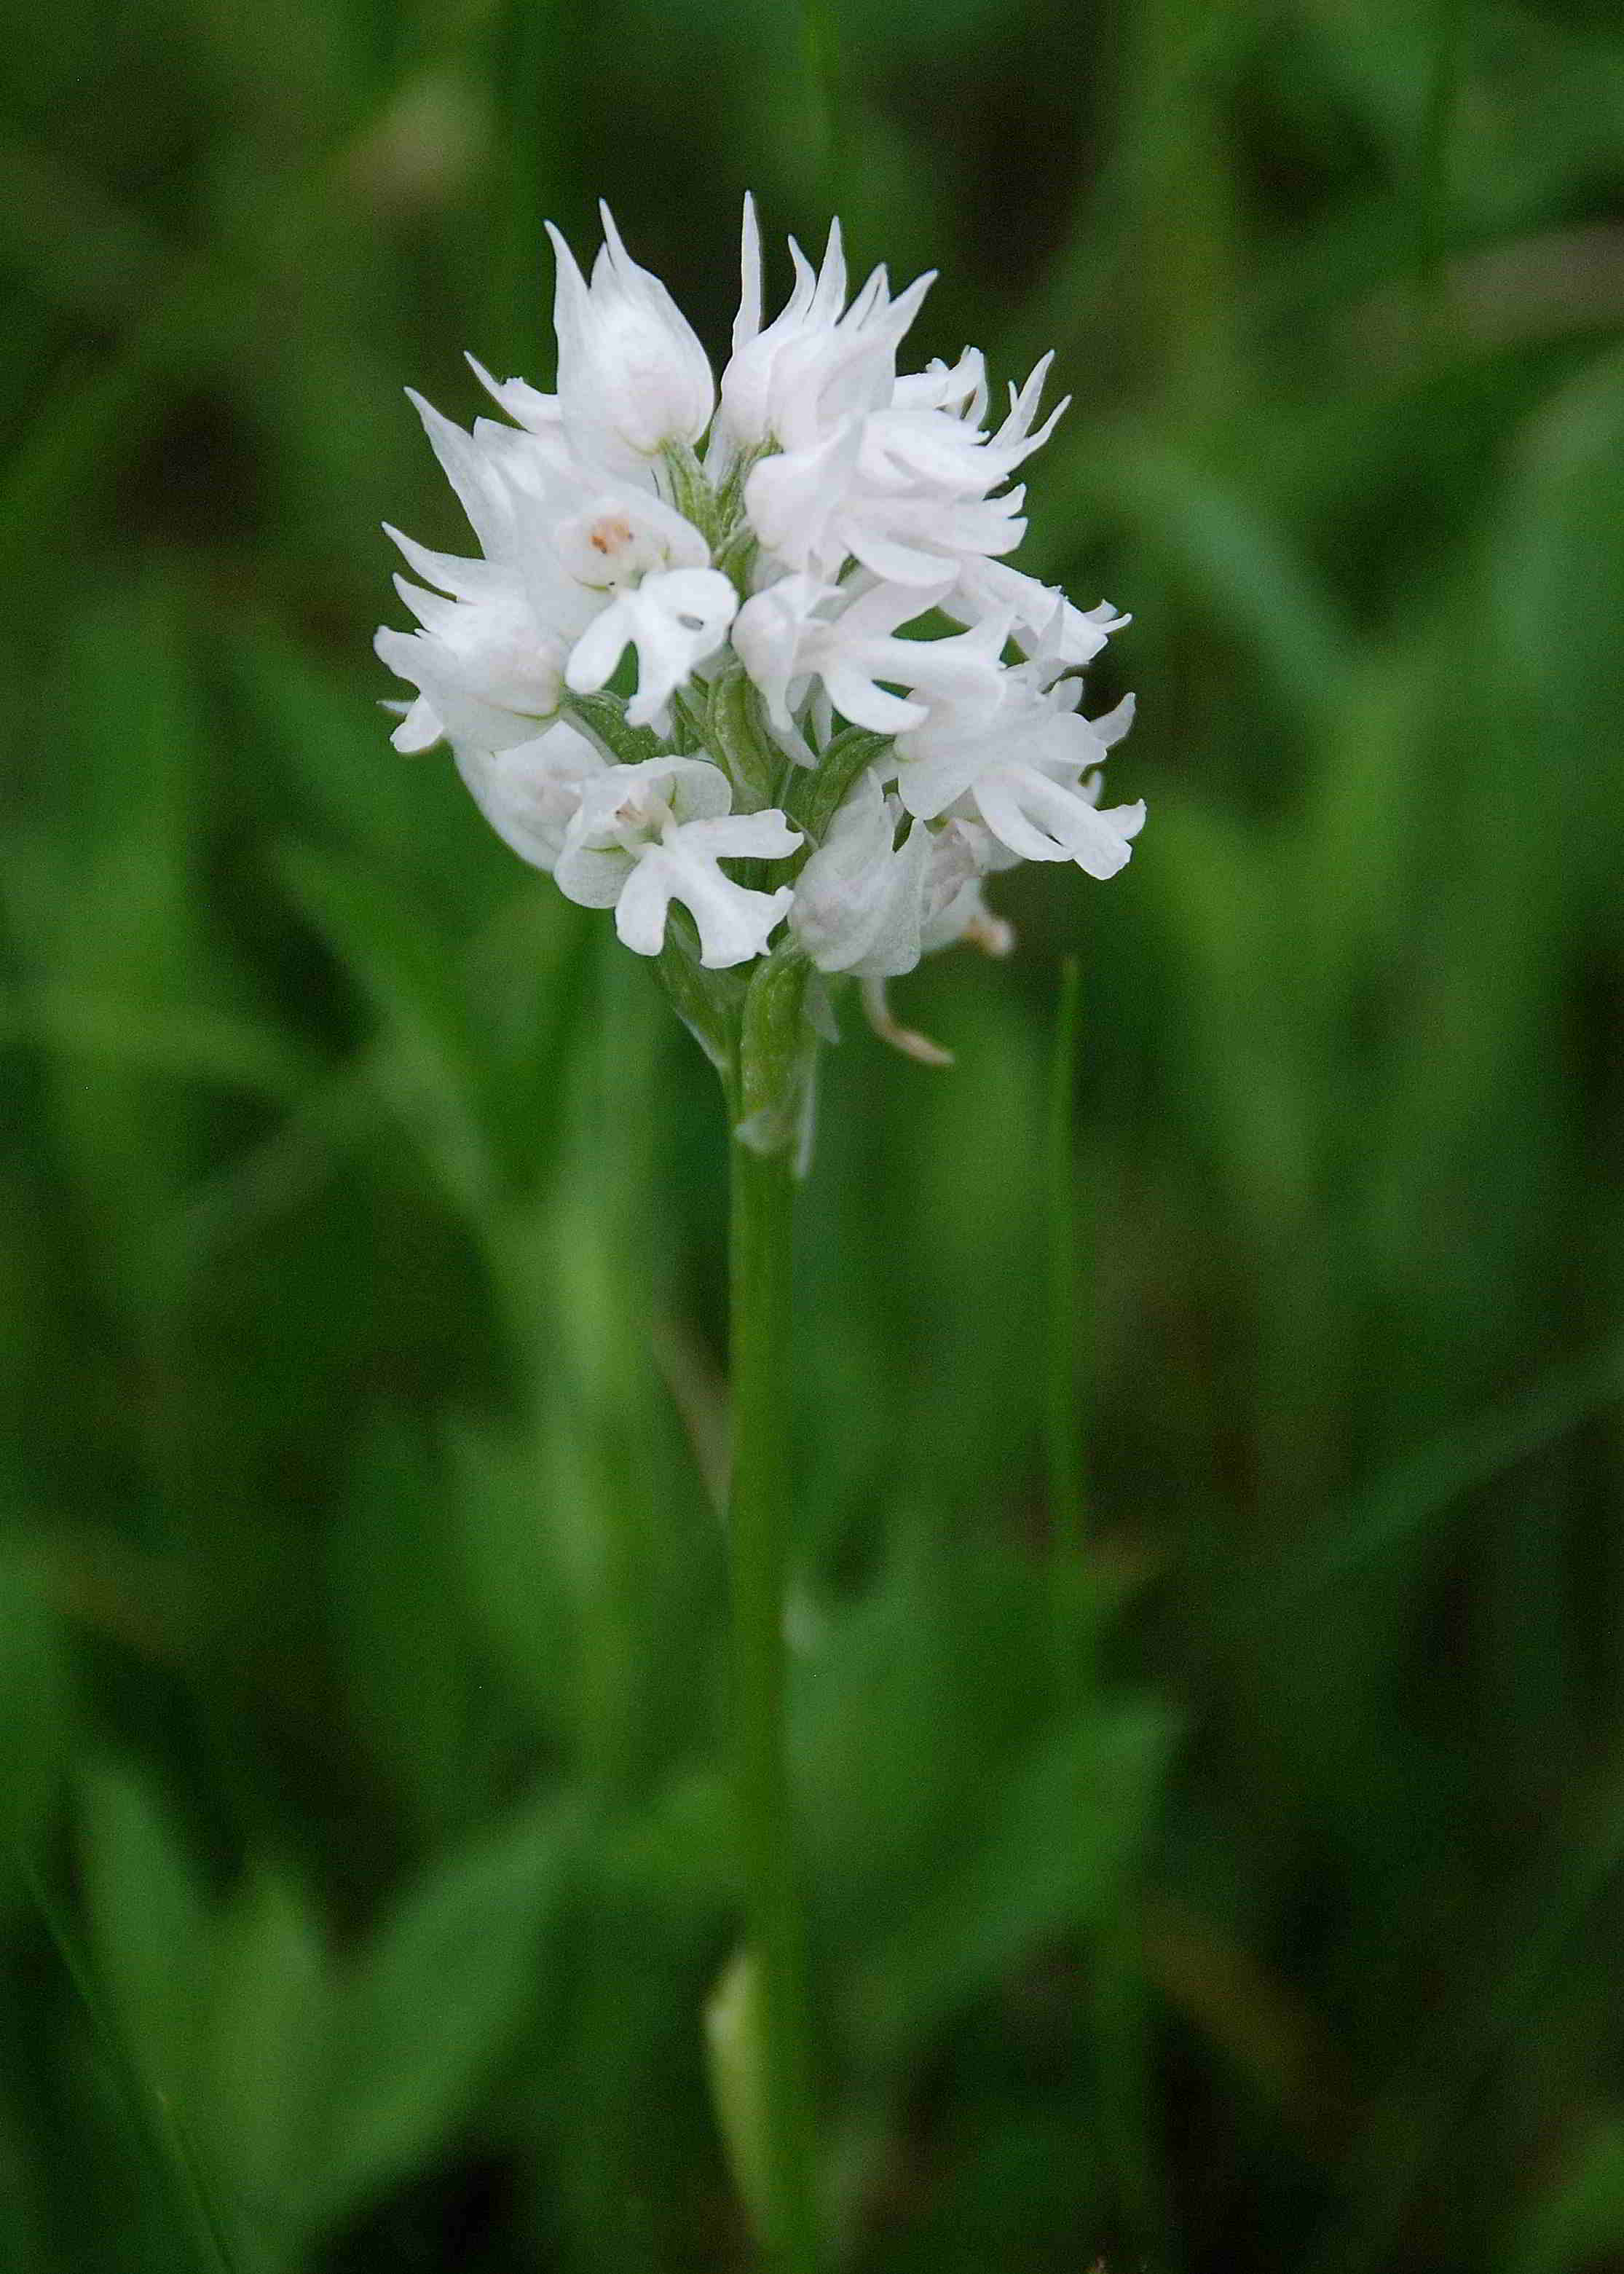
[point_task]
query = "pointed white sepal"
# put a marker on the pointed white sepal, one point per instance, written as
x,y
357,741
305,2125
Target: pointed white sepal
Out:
x,y
632,377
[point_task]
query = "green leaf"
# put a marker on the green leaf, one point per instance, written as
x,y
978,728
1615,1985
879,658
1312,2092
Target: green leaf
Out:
x,y
816,793
1061,1839
602,718
413,1684
187,1042
512,1566
333,745
530,972
151,1933
1559,595
36,1704
737,2070
147,1915
258,2075
736,729
1244,566
112,914
709,1003
436,2002
435,1073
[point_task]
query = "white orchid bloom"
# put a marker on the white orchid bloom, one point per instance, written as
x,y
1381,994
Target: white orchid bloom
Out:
x,y
967,917
787,637
818,360
632,377
530,794
676,621
775,545
960,387
770,637
1025,772
645,835
796,500
914,440
489,659
858,650
1041,816
860,901
526,405
1042,619
817,507
487,676
621,535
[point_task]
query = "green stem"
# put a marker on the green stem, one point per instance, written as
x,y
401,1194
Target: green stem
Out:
x,y
759,1523
158,2122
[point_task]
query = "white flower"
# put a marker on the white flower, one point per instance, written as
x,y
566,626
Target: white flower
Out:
x,y
940,441
860,901
813,363
895,472
770,635
780,561
632,377
1043,817
525,404
530,793
960,387
617,536
967,917
796,500
1023,771
784,639
489,661
1042,621
816,507
484,675
577,568
676,621
645,835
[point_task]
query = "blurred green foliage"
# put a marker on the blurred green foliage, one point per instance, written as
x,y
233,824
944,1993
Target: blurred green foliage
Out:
x,y
361,1581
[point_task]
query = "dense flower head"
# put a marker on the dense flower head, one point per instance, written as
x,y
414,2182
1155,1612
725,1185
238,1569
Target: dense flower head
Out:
x,y
771,619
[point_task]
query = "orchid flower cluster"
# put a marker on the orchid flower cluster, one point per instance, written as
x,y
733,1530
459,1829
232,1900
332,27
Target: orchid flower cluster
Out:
x,y
699,671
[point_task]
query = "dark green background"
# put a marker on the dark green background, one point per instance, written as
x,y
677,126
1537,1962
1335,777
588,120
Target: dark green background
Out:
x,y
361,1599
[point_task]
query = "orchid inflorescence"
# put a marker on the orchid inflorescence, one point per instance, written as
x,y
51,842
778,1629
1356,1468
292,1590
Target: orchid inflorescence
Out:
x,y
759,551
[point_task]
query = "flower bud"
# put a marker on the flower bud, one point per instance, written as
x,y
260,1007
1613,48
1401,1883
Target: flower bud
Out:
x,y
632,377
860,903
